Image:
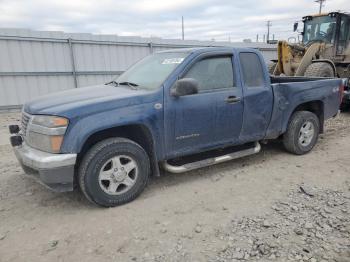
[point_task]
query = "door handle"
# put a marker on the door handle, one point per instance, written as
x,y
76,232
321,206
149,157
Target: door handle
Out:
x,y
232,99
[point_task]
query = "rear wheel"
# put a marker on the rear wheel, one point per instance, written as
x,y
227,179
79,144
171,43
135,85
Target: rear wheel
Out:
x,y
320,69
302,132
113,172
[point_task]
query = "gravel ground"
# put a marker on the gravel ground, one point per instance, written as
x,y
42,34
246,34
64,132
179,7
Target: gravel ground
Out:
x,y
272,206
311,225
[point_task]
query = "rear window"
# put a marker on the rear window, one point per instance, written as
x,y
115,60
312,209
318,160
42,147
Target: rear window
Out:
x,y
253,75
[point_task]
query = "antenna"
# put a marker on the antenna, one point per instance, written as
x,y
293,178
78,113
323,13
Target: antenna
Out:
x,y
321,4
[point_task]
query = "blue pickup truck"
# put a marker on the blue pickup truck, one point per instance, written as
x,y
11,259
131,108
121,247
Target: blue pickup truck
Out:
x,y
175,110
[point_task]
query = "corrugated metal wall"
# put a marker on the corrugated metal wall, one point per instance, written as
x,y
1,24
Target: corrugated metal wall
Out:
x,y
34,63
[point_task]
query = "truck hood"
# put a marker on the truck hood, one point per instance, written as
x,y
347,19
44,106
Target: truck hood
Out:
x,y
87,100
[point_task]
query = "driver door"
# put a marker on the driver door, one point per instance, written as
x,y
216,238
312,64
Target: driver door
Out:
x,y
210,118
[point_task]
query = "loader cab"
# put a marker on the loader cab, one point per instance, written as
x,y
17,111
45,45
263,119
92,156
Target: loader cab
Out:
x,y
319,29
332,29
343,40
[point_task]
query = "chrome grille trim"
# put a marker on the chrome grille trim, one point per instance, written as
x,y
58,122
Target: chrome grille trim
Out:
x,y
24,122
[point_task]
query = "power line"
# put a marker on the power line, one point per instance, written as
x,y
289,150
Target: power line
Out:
x,y
283,31
285,19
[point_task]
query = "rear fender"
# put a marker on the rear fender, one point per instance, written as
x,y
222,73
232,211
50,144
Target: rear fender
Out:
x,y
316,107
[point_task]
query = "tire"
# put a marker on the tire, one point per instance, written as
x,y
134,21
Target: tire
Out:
x,y
272,67
298,138
113,172
320,69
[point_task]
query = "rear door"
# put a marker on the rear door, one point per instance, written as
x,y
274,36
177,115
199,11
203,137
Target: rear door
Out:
x,y
213,116
258,97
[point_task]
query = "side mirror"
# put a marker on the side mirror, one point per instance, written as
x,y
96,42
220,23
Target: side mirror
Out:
x,y
185,86
295,26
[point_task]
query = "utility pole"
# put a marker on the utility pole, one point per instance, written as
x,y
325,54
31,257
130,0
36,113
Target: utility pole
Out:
x,y
269,24
183,28
321,5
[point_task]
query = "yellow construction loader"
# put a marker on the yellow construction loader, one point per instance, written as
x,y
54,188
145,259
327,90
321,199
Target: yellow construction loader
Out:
x,y
323,52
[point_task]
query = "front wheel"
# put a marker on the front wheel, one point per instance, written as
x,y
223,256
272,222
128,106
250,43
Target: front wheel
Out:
x,y
113,172
302,132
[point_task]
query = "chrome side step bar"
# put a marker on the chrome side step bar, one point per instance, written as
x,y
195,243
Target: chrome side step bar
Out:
x,y
211,161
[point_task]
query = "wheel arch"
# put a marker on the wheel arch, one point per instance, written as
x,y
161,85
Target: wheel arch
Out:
x,y
138,133
315,106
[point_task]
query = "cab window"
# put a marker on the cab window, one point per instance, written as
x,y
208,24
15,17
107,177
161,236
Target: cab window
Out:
x,y
253,75
344,34
213,73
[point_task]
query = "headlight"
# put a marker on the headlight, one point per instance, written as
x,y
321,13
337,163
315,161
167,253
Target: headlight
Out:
x,y
46,132
50,121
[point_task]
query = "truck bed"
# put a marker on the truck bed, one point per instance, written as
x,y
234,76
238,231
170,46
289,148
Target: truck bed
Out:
x,y
290,92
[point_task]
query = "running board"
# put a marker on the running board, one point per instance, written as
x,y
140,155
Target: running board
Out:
x,y
211,161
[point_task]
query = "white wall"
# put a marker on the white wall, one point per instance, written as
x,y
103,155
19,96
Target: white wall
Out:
x,y
34,63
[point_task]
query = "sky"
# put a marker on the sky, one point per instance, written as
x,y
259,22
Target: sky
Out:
x,y
221,20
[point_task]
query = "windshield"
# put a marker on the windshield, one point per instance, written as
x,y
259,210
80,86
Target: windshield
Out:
x,y
321,28
151,71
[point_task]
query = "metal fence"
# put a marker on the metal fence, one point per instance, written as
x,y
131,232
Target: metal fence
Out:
x,y
34,63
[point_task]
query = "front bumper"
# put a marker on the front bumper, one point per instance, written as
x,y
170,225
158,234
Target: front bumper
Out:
x,y
55,171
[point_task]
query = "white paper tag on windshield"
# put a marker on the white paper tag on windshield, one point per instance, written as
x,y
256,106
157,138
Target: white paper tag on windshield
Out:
x,y
170,61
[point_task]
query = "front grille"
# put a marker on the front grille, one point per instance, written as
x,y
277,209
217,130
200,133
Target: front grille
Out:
x,y
24,122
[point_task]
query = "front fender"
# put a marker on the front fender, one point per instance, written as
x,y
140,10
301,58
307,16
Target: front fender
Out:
x,y
81,129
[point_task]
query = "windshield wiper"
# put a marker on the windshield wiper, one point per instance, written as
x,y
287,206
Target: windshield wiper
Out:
x,y
112,82
130,84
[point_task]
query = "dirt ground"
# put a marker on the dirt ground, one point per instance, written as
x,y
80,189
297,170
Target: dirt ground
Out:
x,y
272,206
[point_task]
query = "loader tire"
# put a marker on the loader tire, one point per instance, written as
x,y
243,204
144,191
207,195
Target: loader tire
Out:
x,y
320,69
